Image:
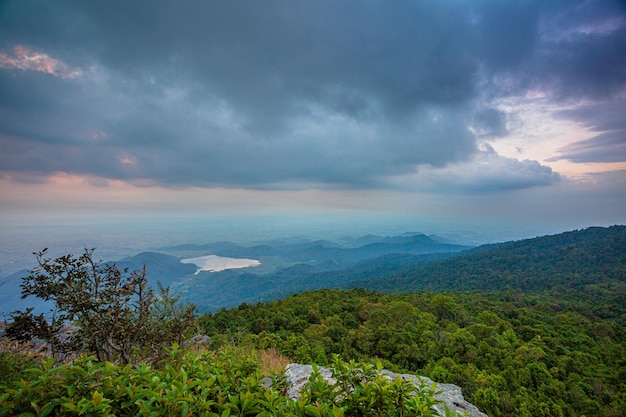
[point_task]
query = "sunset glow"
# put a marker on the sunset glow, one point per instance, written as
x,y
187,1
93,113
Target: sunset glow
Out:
x,y
25,59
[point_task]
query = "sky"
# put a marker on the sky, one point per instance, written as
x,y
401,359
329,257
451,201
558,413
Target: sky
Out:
x,y
470,112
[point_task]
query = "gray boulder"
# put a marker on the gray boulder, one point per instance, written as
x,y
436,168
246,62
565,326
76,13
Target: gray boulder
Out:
x,y
297,376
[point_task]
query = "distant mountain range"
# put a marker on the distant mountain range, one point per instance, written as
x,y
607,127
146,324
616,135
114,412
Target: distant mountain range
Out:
x,y
409,262
289,267
323,251
568,261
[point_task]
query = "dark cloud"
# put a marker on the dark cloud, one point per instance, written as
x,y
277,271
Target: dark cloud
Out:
x,y
606,147
589,65
282,94
610,145
506,33
489,122
599,116
571,49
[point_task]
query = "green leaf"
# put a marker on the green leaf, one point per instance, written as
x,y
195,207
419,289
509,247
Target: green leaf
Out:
x,y
97,397
338,412
69,406
46,410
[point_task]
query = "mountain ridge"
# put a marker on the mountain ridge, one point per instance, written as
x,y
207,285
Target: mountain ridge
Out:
x,y
408,262
569,259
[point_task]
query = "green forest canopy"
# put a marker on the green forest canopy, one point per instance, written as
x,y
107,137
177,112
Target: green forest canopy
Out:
x,y
512,353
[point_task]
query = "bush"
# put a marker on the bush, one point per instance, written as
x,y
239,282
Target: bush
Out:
x,y
224,383
116,314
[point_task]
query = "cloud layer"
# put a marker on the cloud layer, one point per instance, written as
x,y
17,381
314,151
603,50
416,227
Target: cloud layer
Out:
x,y
296,95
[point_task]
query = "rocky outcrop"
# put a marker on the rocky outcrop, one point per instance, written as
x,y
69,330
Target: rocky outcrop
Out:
x,y
297,376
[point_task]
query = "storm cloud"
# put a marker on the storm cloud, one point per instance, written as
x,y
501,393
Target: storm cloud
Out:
x,y
296,95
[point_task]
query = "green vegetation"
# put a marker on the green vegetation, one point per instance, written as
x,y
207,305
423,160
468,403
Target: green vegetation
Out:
x,y
567,262
540,330
220,384
512,353
117,318
115,314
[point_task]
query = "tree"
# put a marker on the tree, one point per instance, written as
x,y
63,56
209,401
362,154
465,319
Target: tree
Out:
x,y
24,326
115,312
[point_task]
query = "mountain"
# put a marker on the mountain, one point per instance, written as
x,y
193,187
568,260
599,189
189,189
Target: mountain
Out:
x,y
160,267
225,248
324,251
287,266
414,244
304,266
571,260
230,288
568,261
10,292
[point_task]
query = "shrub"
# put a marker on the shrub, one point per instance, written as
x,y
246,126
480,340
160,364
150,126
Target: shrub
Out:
x,y
224,383
117,315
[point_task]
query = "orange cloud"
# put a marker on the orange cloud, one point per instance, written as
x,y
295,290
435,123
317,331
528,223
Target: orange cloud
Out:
x,y
28,60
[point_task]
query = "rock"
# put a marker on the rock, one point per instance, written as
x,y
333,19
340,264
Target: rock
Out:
x,y
450,394
199,339
297,376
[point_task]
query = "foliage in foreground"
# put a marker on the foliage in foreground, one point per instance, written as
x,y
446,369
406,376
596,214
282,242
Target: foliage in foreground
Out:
x,y
222,383
115,314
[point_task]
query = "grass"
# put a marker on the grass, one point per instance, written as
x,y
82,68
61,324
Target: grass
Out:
x,y
272,361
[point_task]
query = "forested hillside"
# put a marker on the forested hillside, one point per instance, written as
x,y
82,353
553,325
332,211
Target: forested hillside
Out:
x,y
579,263
288,267
530,328
512,353
570,261
211,291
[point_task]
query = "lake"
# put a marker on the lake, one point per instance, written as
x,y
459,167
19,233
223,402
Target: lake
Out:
x,y
214,263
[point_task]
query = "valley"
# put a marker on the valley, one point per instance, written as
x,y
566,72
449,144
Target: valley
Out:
x,y
225,274
527,327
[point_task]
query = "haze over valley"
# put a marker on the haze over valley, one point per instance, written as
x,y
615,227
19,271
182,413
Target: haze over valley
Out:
x,y
222,274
